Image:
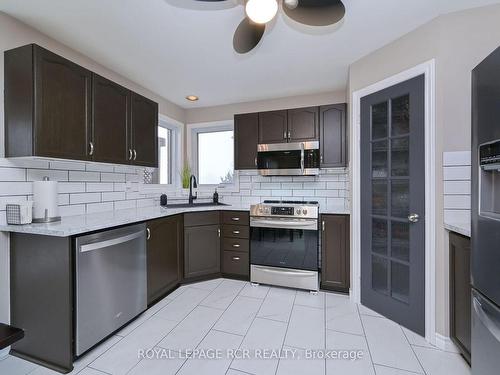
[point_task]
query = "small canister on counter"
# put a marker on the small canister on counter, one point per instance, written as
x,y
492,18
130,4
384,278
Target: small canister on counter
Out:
x,y
19,213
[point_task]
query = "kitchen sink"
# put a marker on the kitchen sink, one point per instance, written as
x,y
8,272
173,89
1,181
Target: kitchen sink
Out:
x,y
188,205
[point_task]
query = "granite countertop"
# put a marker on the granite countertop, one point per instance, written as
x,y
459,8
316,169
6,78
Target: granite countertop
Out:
x,y
79,224
458,227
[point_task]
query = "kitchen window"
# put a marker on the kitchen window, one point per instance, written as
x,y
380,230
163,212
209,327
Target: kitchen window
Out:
x,y
164,155
212,153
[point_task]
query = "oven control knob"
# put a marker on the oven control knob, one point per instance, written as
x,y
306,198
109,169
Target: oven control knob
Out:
x,y
299,211
304,211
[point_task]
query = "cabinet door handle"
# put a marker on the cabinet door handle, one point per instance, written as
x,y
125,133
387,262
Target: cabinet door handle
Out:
x,y
91,145
130,156
148,233
135,154
323,225
236,232
236,245
289,134
284,134
321,158
256,161
218,232
235,219
236,258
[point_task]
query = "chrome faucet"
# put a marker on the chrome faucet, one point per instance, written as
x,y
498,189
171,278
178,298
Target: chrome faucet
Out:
x,y
192,184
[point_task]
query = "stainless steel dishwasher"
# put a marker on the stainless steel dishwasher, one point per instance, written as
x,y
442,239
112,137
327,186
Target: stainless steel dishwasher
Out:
x,y
111,282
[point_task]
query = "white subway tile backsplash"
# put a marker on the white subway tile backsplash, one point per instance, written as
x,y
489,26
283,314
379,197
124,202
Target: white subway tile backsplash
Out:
x,y
327,193
63,199
149,202
457,173
77,209
12,174
16,188
24,163
281,179
99,186
120,186
112,177
314,185
270,185
120,205
125,169
132,178
245,185
53,175
71,187
260,193
84,176
245,178
301,192
97,167
457,187
335,185
291,185
113,196
456,158
457,201
67,165
282,193
99,207
78,198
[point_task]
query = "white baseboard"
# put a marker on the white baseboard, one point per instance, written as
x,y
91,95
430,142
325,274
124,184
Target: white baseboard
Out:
x,y
445,343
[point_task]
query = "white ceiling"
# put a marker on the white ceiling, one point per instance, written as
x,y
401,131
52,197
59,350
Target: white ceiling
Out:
x,y
176,51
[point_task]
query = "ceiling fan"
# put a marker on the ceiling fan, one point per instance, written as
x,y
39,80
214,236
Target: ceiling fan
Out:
x,y
259,12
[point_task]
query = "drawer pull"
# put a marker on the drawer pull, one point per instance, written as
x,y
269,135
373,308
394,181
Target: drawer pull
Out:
x,y
236,258
236,245
235,219
236,232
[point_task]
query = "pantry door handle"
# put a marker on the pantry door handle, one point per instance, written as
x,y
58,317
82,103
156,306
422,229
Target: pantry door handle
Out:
x,y
91,145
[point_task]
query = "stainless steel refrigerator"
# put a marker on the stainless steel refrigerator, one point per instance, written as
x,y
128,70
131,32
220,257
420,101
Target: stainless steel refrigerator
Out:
x,y
485,267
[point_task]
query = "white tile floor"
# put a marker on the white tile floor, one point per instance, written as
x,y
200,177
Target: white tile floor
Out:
x,y
227,314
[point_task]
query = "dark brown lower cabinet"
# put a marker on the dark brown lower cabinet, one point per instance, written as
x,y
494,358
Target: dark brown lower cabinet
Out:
x,y
164,255
335,253
201,244
236,244
460,293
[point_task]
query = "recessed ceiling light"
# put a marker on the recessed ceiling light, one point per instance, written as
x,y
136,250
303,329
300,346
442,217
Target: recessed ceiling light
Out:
x,y
192,98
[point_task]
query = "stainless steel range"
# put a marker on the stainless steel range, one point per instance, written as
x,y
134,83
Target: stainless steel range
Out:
x,y
284,244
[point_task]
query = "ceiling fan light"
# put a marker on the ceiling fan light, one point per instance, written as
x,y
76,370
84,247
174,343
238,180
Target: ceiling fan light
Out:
x,y
291,4
261,11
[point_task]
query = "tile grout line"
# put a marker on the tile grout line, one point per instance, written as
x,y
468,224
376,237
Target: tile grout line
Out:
x,y
253,320
286,331
397,368
412,350
366,339
213,325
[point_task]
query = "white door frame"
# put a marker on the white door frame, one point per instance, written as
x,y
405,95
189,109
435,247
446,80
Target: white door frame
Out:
x,y
429,70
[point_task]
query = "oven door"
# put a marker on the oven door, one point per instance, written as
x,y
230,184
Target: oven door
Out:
x,y
301,158
284,243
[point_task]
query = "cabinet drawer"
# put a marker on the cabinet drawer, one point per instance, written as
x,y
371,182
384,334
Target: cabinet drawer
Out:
x,y
236,263
235,244
236,231
236,217
194,219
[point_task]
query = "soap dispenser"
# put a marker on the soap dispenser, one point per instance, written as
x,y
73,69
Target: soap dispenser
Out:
x,y
216,197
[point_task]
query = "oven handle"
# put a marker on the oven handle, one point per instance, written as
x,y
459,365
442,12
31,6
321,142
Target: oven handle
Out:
x,y
302,158
281,224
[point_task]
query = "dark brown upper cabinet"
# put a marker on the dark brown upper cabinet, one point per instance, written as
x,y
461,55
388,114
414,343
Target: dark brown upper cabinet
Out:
x,y
57,109
303,124
335,252
333,136
144,131
110,111
47,105
164,255
246,130
273,127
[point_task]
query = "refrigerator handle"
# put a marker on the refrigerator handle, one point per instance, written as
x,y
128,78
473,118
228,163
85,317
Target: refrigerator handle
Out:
x,y
489,323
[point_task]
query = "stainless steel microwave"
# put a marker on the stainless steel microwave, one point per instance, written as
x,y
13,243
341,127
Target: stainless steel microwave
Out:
x,y
288,159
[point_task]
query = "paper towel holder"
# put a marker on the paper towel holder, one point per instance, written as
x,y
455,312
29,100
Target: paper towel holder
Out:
x,y
46,218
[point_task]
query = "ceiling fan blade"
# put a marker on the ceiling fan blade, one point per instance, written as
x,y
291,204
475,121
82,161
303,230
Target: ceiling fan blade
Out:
x,y
315,12
247,36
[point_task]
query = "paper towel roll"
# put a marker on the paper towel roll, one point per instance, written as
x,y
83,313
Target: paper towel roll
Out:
x,y
45,201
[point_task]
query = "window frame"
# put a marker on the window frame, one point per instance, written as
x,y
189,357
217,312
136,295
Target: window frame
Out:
x,y
192,151
176,153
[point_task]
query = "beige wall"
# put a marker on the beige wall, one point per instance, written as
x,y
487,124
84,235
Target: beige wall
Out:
x,y
458,42
226,112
